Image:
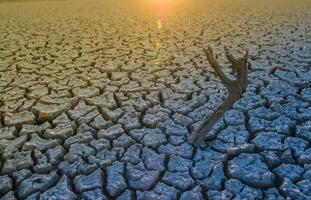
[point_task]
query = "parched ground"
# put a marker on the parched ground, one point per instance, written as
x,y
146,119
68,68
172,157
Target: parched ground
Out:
x,y
97,98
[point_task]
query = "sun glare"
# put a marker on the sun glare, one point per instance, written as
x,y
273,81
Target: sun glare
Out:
x,y
161,8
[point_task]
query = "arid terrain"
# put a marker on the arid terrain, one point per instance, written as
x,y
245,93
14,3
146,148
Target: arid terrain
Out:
x,y
97,99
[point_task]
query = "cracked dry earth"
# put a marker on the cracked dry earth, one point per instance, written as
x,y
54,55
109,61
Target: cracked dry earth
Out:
x,y
97,99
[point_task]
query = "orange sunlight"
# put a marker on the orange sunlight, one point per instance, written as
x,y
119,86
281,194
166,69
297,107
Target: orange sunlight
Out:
x,y
160,8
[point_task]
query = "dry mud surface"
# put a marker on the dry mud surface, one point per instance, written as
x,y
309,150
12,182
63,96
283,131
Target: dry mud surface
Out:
x,y
97,99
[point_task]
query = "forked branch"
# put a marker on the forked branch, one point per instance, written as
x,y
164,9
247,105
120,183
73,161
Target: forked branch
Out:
x,y
235,88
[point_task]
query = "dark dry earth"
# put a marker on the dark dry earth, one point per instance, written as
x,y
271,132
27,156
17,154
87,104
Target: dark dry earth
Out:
x,y
97,100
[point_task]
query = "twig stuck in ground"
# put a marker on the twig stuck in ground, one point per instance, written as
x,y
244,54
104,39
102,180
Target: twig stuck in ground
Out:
x,y
235,88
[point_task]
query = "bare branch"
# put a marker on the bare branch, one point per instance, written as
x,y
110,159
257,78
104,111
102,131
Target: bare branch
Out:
x,y
235,89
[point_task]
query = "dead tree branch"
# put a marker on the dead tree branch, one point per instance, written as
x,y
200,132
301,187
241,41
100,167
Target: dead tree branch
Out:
x,y
235,88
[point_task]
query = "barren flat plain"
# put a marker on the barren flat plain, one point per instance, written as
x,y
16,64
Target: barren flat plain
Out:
x,y
97,99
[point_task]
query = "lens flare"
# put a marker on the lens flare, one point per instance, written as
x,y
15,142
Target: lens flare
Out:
x,y
157,45
159,24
